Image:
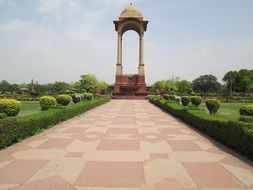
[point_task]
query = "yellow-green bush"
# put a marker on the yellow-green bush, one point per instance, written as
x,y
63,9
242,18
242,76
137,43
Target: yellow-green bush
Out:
x,y
196,100
63,99
46,102
87,96
10,107
246,110
213,105
185,100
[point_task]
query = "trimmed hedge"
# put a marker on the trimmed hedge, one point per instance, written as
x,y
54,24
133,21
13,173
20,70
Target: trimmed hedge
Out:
x,y
234,134
46,102
169,97
185,100
213,105
87,96
246,110
245,118
196,100
63,99
10,107
14,129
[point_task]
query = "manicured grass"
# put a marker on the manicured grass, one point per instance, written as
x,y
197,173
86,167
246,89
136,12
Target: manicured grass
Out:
x,y
29,107
228,111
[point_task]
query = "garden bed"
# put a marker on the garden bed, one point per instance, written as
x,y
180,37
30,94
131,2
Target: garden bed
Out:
x,y
234,134
14,129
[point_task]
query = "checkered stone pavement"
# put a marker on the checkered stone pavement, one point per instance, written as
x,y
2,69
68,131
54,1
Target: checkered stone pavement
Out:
x,y
123,145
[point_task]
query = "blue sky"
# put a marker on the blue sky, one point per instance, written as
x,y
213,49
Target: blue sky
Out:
x,y
58,40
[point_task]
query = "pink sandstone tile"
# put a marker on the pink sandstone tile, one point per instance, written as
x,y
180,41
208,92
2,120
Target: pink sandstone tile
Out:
x,y
108,144
233,161
122,131
91,136
183,145
152,137
88,122
74,154
146,126
128,122
158,156
111,174
157,122
55,143
172,184
51,183
171,131
5,156
211,175
19,171
125,118
75,130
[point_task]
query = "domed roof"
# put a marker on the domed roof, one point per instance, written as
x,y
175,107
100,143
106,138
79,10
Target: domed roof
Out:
x,y
131,11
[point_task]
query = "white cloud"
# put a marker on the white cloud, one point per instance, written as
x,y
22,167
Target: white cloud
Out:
x,y
13,25
48,5
60,8
85,32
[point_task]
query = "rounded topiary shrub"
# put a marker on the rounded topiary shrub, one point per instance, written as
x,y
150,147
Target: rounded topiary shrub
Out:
x,y
185,100
196,100
10,107
46,102
213,105
87,96
63,99
246,110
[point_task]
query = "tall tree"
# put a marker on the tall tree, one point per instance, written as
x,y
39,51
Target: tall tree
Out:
x,y
165,86
5,86
206,84
183,86
88,83
244,81
230,79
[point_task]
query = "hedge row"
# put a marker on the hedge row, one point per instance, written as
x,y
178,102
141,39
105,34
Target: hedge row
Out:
x,y
14,129
234,134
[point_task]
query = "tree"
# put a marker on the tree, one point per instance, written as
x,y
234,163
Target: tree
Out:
x,y
165,86
244,81
88,83
60,87
103,86
206,84
75,86
184,87
230,79
5,86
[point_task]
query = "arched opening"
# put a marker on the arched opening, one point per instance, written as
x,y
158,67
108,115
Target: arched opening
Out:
x,y
130,52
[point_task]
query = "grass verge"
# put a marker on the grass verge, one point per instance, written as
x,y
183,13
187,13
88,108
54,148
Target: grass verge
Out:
x,y
15,129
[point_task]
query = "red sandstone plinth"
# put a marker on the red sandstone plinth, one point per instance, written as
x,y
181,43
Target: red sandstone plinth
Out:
x,y
130,87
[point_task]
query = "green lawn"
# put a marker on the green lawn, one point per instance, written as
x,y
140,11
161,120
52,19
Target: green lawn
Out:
x,y
29,107
227,110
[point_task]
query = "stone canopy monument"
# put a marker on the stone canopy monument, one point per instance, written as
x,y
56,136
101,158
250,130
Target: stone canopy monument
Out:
x,y
130,86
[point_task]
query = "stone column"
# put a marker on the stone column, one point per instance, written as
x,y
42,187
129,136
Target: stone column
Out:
x,y
119,55
141,55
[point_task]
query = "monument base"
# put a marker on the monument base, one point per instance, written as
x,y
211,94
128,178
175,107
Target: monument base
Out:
x,y
130,87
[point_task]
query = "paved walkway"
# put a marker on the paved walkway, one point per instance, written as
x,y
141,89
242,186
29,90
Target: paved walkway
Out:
x,y
122,145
